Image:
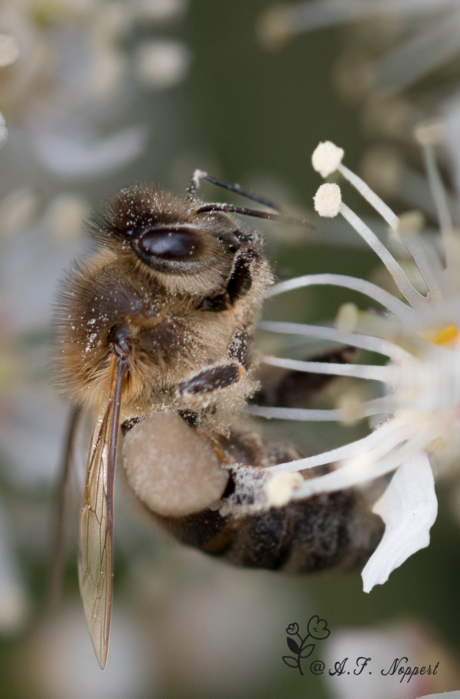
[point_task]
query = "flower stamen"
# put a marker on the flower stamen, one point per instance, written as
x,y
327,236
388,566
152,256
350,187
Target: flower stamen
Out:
x,y
359,371
367,342
396,271
377,406
400,309
436,185
366,444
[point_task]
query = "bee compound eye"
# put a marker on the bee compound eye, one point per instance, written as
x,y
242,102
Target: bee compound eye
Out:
x,y
169,244
170,468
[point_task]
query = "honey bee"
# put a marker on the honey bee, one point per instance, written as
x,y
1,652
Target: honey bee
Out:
x,y
154,332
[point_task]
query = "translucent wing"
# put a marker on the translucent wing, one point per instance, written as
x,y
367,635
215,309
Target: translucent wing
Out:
x,y
57,558
96,520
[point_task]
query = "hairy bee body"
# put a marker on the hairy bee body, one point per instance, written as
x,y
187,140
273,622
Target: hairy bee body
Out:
x,y
176,322
154,332
333,532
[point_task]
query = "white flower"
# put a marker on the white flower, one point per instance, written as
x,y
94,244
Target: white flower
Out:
x,y
420,410
73,79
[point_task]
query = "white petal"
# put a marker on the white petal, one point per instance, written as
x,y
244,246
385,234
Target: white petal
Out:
x,y
409,508
78,154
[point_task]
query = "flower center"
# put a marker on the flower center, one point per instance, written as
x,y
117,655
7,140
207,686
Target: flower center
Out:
x,y
446,336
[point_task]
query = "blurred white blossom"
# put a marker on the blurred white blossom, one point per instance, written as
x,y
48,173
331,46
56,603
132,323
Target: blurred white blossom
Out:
x,y
73,73
416,647
69,97
161,10
78,154
162,64
391,47
424,33
64,666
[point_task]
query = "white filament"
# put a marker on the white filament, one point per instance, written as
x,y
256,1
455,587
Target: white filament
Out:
x,y
424,265
371,465
372,407
298,414
439,195
365,466
360,371
348,450
397,307
396,271
367,342
374,200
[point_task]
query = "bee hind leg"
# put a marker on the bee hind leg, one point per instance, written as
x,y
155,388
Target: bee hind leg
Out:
x,y
291,389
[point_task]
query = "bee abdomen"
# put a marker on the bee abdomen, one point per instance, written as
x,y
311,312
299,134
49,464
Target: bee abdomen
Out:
x,y
334,531
167,462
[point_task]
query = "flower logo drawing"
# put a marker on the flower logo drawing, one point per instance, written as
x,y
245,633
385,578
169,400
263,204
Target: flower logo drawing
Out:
x,y
317,630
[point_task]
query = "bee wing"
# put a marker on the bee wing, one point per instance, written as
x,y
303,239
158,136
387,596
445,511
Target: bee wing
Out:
x,y
57,558
95,562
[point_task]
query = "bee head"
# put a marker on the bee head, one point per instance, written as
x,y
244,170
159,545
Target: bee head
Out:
x,y
185,249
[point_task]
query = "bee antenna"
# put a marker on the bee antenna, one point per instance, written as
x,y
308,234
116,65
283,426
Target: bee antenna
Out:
x,y
199,175
268,215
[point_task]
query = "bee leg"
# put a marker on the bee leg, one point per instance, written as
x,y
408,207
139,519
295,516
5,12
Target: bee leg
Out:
x,y
199,175
223,375
292,389
211,379
240,281
238,285
240,348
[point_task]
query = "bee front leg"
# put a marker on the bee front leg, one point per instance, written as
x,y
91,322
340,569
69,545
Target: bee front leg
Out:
x,y
211,379
222,375
239,283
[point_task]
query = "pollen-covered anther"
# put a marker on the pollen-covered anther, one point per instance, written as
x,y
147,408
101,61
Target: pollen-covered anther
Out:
x,y
326,158
280,488
327,200
347,318
410,223
350,406
430,133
